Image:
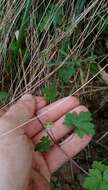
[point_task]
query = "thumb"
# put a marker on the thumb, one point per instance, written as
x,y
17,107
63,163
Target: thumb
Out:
x,y
18,113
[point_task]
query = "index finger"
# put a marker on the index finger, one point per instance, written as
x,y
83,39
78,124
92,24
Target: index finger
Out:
x,y
50,113
57,109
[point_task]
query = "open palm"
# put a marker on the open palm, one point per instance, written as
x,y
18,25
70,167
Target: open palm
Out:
x,y
45,164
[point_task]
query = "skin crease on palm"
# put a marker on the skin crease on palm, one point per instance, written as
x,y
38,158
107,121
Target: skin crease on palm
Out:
x,y
20,167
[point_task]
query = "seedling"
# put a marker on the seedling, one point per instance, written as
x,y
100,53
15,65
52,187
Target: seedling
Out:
x,y
81,123
50,93
98,177
44,145
66,72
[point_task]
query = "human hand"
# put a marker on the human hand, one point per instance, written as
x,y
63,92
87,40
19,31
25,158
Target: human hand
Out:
x,y
20,167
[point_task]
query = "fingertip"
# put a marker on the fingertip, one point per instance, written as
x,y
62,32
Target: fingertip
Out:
x,y
73,99
57,109
80,108
22,110
26,97
41,102
28,101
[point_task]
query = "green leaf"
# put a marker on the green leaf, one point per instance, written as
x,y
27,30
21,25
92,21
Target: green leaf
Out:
x,y
66,72
54,15
82,123
94,68
14,47
105,175
98,177
85,129
59,13
99,166
70,119
85,116
44,145
103,186
3,96
93,181
79,132
50,93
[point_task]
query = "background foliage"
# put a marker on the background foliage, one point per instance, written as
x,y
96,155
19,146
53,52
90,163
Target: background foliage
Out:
x,y
52,48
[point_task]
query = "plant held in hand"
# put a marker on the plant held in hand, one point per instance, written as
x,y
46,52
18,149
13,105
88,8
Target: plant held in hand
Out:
x,y
81,123
44,145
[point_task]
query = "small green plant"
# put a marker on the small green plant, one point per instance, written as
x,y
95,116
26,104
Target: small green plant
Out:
x,y
50,93
98,177
66,72
44,145
3,96
81,123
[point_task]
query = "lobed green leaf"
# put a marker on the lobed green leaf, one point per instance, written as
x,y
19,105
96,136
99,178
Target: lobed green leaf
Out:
x,y
44,145
82,123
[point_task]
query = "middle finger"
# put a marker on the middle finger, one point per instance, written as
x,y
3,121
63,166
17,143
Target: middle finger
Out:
x,y
58,129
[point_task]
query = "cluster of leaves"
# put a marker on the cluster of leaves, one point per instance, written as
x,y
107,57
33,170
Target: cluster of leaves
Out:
x,y
69,69
98,177
81,123
44,145
50,93
66,72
